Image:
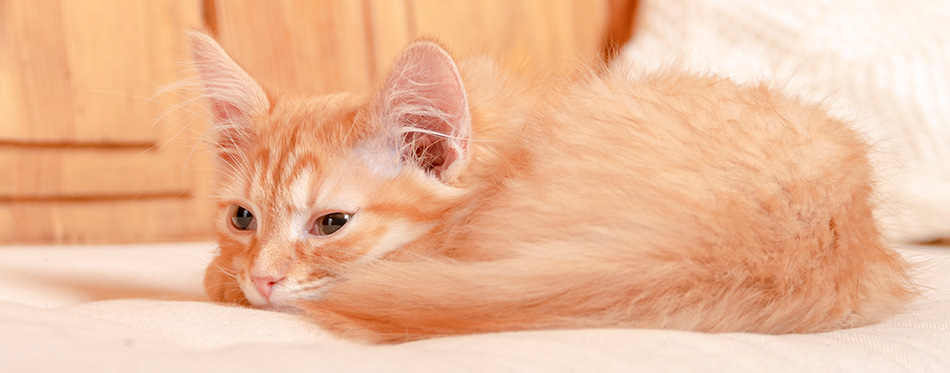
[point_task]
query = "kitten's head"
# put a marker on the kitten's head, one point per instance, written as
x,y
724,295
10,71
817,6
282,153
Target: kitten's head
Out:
x,y
308,187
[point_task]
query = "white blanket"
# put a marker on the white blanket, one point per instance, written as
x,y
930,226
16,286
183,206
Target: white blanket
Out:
x,y
883,64
141,308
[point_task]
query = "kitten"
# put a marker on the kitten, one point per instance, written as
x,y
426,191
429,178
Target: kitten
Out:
x,y
459,199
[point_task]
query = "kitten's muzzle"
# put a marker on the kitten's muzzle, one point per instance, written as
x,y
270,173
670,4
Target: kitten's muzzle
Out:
x,y
265,285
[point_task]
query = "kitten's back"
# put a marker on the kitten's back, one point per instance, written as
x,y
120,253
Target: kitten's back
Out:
x,y
477,202
670,201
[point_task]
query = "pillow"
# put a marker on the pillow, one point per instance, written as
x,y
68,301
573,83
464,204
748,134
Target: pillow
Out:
x,y
883,65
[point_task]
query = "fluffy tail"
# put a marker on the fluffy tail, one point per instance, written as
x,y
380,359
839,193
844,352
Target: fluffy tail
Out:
x,y
390,302
399,301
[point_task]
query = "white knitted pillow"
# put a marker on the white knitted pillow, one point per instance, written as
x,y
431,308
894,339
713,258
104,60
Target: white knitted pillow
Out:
x,y
883,64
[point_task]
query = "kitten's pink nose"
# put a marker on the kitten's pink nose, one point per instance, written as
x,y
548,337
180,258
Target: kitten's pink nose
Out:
x,y
265,285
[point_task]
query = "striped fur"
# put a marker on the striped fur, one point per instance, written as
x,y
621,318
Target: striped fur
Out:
x,y
489,202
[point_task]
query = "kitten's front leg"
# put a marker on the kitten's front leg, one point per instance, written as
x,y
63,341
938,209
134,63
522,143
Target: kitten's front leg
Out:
x,y
373,308
354,325
349,311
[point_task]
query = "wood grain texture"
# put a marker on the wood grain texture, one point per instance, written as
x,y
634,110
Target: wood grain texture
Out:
x,y
619,28
304,46
329,46
139,220
79,172
91,153
525,35
90,150
36,95
391,27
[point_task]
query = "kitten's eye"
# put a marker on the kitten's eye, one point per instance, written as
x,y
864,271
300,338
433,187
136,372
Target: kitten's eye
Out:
x,y
329,223
242,219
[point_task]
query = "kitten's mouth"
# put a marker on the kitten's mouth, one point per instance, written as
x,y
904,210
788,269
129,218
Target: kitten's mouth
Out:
x,y
285,298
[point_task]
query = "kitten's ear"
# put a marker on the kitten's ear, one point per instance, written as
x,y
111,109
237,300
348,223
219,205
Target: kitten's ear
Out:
x,y
424,103
234,96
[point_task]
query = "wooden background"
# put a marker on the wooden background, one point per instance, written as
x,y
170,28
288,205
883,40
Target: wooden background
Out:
x,y
92,149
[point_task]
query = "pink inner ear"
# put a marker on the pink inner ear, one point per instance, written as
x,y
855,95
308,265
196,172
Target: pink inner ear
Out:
x,y
433,153
425,101
233,95
224,111
232,126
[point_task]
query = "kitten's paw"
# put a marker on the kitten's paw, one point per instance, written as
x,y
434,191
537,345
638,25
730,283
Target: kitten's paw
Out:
x,y
359,327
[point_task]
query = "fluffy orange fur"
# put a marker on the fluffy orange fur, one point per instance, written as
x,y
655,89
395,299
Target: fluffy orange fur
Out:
x,y
484,202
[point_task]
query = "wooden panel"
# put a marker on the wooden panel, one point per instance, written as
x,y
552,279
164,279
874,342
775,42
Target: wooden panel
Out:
x,y
36,95
96,156
305,46
619,27
105,42
392,28
83,172
140,220
526,35
317,47
89,148
84,70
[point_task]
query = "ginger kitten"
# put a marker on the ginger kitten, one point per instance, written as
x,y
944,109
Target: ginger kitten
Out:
x,y
459,199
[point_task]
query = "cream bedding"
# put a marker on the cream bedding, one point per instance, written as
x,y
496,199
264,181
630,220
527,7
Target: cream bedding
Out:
x,y
141,308
883,64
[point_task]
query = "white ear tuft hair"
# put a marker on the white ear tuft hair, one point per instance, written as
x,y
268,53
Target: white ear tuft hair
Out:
x,y
425,106
234,96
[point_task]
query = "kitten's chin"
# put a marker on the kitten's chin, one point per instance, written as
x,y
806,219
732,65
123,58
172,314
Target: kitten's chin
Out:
x,y
279,304
284,301
284,296
284,308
